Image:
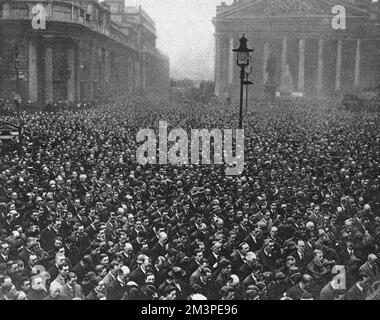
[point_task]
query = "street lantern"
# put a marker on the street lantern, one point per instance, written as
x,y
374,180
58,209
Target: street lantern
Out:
x,y
242,60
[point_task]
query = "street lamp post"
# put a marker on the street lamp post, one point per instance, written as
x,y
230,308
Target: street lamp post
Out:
x,y
247,83
243,57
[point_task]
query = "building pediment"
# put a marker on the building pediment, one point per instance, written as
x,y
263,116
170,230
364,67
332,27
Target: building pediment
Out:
x,y
302,8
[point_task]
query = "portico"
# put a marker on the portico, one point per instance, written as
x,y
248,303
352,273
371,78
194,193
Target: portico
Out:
x,y
312,59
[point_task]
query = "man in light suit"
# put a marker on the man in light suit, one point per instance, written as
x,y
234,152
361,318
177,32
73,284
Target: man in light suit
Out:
x,y
72,289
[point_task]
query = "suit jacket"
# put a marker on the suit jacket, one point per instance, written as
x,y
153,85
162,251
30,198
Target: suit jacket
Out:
x,y
355,293
192,266
300,263
116,290
327,293
249,280
268,262
108,279
212,261
244,271
133,292
2,260
237,261
202,288
344,256
75,292
157,250
254,245
138,276
295,292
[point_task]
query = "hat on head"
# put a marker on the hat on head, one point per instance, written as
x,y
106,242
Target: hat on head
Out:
x,y
177,272
224,263
280,276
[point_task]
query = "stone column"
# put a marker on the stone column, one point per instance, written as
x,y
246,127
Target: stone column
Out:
x,y
266,54
217,66
231,62
71,80
107,70
284,62
33,77
301,65
357,63
91,73
6,10
143,72
338,77
48,74
320,66
78,72
137,75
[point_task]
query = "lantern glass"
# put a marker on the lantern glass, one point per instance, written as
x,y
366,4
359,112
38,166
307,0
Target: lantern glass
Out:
x,y
243,58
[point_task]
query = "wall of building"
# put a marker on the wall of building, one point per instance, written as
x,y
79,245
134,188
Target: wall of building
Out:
x,y
83,54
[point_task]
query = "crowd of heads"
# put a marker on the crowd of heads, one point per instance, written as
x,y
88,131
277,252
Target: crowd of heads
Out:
x,y
82,219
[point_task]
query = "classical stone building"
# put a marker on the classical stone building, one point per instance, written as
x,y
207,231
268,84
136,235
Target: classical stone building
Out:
x,y
312,58
87,50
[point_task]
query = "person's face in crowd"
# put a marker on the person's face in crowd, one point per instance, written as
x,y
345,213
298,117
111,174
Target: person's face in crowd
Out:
x,y
21,266
57,225
35,216
14,195
72,281
147,262
199,256
138,225
150,279
245,249
25,286
102,234
13,268
227,270
318,258
366,281
290,262
207,277
37,284
172,295
103,272
105,261
4,249
273,232
57,243
64,271
301,246
100,286
270,247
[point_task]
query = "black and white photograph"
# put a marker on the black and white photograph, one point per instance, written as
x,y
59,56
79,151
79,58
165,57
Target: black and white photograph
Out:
x,y
204,151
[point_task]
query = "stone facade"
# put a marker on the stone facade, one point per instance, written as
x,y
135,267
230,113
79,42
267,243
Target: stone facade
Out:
x,y
87,51
312,58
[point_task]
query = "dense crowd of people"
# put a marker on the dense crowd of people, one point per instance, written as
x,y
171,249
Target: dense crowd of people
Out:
x,y
81,219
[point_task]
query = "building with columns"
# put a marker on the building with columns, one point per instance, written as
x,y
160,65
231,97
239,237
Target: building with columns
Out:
x,y
88,50
312,58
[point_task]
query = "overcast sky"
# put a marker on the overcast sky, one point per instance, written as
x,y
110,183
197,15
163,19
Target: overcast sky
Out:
x,y
185,34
